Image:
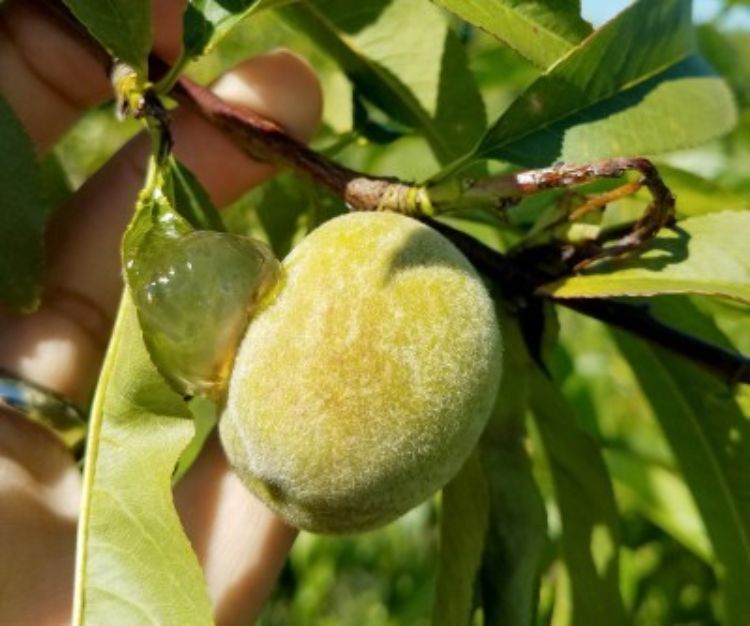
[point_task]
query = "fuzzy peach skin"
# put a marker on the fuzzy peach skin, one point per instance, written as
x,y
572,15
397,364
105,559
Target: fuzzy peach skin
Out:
x,y
364,386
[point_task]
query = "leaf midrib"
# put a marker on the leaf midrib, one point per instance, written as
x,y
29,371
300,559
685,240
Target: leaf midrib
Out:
x,y
132,31
92,452
534,26
120,598
723,482
138,524
531,25
623,88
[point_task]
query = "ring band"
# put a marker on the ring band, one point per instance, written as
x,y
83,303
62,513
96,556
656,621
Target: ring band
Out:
x,y
55,413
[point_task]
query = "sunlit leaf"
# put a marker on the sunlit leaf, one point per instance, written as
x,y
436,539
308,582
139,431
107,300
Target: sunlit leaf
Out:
x,y
204,413
697,195
540,30
707,255
700,315
591,537
635,86
660,496
731,318
729,53
23,213
711,440
122,26
598,383
134,563
403,57
205,22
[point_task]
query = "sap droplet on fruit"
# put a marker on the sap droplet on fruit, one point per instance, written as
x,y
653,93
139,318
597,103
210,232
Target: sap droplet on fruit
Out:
x,y
194,300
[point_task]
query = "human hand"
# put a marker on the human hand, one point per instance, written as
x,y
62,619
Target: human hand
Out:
x,y
50,78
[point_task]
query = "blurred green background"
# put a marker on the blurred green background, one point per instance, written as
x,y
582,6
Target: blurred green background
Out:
x,y
386,578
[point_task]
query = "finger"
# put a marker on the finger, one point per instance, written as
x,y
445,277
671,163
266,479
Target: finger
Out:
x,y
60,347
40,488
278,85
49,76
243,545
239,542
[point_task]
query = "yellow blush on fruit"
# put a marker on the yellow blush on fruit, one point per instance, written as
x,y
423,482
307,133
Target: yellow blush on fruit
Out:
x,y
364,386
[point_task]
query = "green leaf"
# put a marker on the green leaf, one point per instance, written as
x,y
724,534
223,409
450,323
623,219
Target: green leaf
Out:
x,y
699,316
403,57
731,318
23,213
540,30
493,512
590,540
729,53
598,383
191,199
711,440
660,496
634,87
287,208
122,26
517,536
205,416
697,195
134,563
205,22
706,255
286,200
517,533
56,187
463,526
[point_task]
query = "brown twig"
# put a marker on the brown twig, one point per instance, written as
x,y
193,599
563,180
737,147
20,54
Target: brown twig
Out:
x,y
266,141
508,189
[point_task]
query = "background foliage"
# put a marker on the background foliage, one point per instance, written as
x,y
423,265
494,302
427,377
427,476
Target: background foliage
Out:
x,y
638,460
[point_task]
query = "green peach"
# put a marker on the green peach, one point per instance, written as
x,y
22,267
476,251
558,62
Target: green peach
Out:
x,y
364,386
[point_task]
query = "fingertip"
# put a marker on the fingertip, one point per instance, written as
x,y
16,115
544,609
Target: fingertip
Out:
x,y
240,544
280,86
38,57
167,16
83,254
